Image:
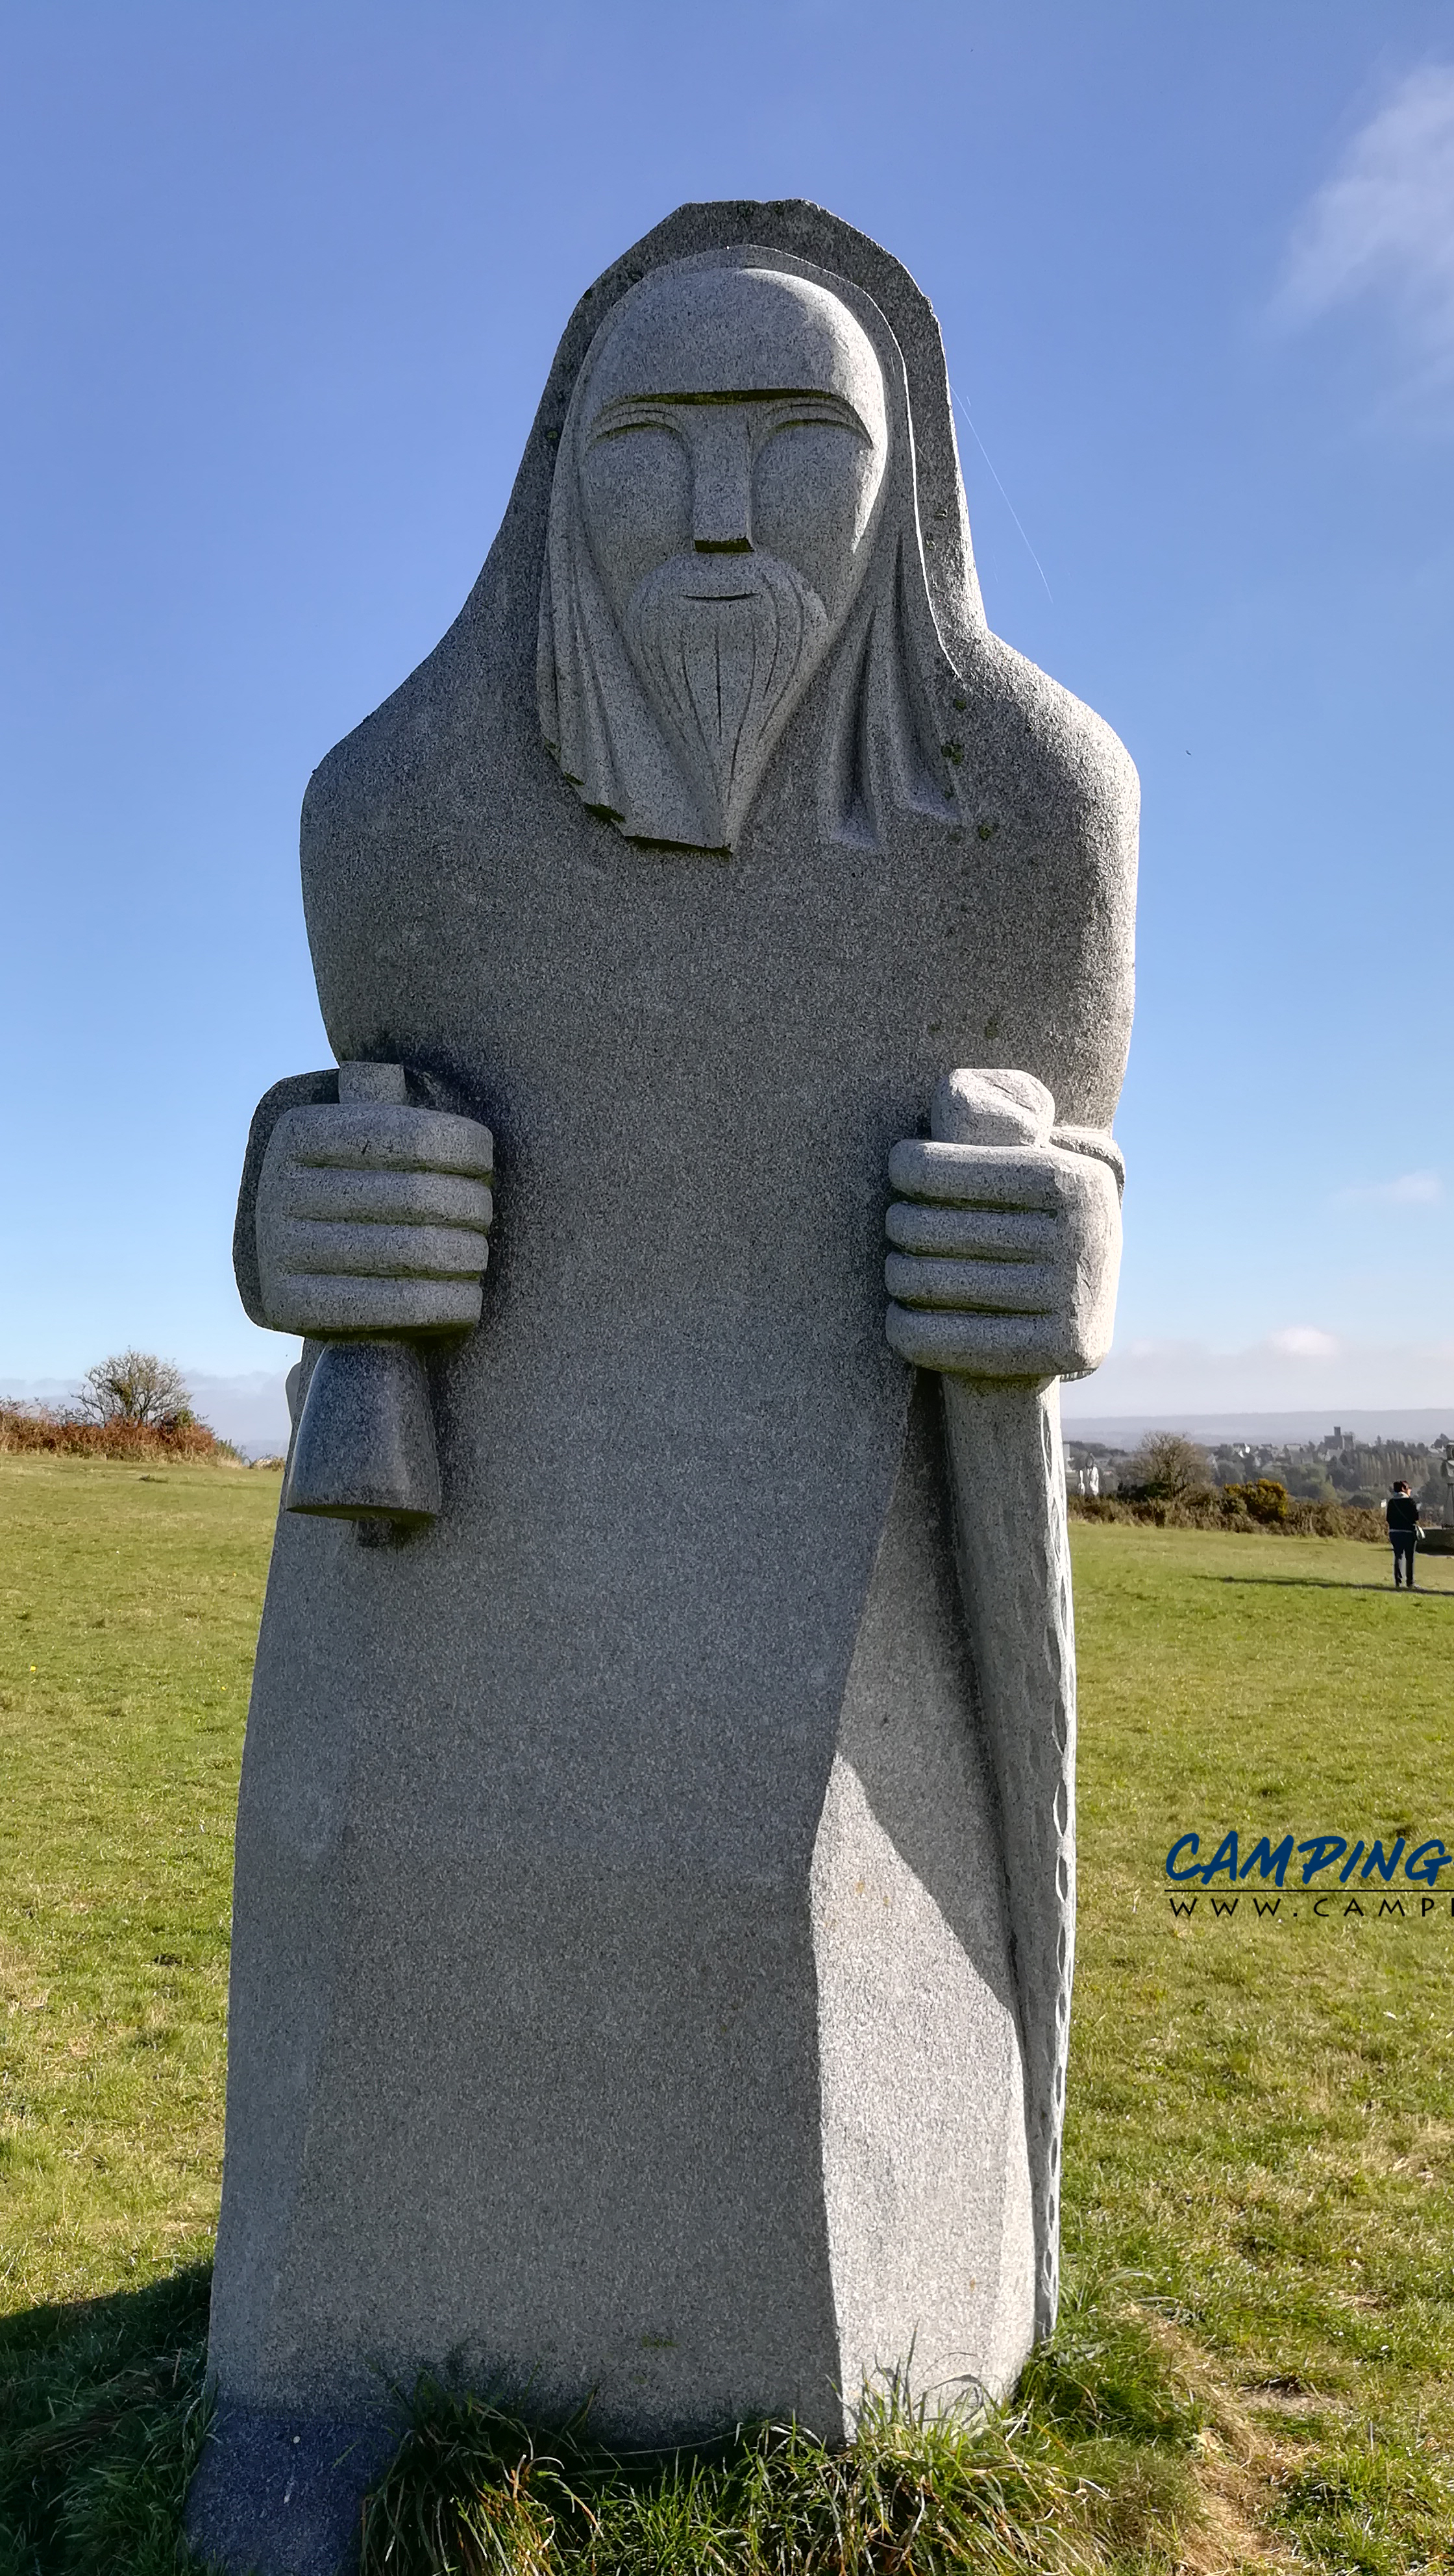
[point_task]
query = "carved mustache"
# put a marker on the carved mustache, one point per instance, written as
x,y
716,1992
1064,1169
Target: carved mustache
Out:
x,y
724,653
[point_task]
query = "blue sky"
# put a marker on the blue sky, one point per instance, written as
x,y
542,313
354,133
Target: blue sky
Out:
x,y
282,289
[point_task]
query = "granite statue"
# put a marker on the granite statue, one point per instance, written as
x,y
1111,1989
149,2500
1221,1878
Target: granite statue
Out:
x,y
655,1869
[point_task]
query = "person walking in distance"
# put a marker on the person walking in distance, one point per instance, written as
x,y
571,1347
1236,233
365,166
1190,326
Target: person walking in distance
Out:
x,y
1403,1529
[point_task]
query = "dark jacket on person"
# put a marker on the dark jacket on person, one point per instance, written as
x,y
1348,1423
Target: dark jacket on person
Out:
x,y
1403,1512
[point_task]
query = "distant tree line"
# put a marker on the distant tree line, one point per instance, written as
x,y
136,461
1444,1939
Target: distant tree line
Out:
x,y
1170,1480
132,1405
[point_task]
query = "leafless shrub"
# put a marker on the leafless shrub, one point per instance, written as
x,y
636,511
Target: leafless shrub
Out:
x,y
1166,1464
136,1386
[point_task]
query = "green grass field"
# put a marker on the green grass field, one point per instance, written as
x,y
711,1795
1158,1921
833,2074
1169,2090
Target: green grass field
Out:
x,y
1257,2365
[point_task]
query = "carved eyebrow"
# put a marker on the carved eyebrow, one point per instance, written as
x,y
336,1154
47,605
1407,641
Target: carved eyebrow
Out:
x,y
750,394
641,411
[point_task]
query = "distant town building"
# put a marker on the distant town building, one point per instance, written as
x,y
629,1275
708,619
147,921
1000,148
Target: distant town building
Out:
x,y
1338,1468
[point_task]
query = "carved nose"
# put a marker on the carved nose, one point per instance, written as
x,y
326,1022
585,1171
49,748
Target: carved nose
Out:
x,y
722,489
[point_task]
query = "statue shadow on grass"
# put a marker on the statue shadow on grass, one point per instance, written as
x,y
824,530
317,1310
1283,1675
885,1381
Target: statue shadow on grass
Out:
x,y
99,2399
1328,1583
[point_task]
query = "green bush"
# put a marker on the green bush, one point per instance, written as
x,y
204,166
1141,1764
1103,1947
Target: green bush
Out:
x,y
1266,1501
1265,1507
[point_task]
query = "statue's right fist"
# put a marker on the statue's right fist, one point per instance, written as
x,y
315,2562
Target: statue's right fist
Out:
x,y
373,1217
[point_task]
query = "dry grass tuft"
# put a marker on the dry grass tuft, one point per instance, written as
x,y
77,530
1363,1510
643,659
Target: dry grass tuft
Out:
x,y
30,1430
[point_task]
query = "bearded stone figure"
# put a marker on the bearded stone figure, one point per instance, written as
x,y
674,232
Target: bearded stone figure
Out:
x,y
655,1865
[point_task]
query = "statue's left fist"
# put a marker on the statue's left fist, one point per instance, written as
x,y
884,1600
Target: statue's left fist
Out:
x,y
1005,1257
373,1217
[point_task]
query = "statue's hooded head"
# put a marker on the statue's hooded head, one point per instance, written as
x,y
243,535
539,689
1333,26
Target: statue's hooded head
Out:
x,y
733,500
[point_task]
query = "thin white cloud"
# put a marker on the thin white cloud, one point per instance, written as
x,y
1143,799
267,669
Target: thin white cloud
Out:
x,y
1383,224
1411,1189
1303,1342
1300,1368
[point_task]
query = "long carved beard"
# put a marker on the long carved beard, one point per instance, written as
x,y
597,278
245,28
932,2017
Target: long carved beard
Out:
x,y
723,645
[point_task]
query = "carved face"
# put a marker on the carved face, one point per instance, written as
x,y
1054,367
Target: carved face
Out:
x,y
734,412
731,450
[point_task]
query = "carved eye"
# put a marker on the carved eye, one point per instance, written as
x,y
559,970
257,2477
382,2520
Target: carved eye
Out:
x,y
636,487
628,424
816,416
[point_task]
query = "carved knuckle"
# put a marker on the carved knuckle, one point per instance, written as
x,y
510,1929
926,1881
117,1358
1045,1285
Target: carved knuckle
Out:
x,y
337,1304
1008,1180
363,1198
378,1251
972,1344
974,1286
380,1137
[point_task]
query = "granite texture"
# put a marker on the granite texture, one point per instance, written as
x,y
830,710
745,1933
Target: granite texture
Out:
x,y
1026,1242
279,2495
364,1448
630,1987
